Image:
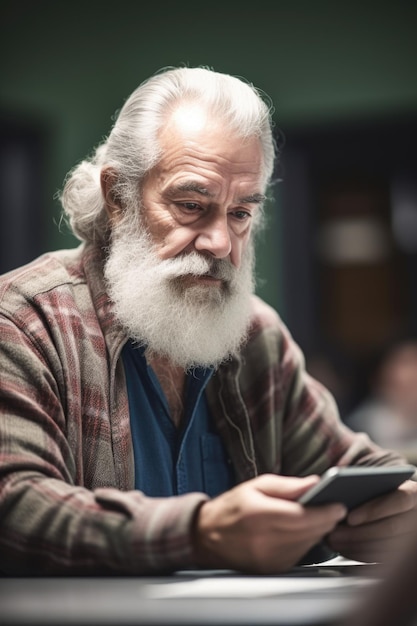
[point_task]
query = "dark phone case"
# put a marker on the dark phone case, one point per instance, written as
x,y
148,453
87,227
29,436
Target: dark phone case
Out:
x,y
356,489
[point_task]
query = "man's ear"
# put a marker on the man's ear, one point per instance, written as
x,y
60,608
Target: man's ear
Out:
x,y
108,178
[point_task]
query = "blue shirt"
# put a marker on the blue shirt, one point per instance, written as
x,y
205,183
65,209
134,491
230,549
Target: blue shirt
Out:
x,y
169,460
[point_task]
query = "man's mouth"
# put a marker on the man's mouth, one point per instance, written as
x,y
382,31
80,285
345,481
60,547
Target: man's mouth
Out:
x,y
200,279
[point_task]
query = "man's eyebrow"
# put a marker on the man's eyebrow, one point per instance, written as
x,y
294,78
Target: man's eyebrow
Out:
x,y
255,198
192,185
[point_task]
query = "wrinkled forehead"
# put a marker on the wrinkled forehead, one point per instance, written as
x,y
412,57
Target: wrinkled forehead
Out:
x,y
192,136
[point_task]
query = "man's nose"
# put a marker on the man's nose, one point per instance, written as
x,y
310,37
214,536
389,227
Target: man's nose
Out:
x,y
214,238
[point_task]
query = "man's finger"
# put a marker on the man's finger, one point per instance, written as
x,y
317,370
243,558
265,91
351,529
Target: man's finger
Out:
x,y
286,487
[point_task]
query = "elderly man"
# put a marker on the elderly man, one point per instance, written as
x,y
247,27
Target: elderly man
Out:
x,y
154,413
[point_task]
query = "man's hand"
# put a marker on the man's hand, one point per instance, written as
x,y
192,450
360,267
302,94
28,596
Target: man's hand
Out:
x,y
260,527
377,530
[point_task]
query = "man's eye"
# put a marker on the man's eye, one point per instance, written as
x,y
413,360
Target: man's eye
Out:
x,y
190,206
242,215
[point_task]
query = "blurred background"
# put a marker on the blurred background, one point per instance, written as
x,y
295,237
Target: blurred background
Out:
x,y
338,259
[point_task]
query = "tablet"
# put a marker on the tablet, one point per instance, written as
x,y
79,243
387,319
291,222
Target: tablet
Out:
x,y
353,486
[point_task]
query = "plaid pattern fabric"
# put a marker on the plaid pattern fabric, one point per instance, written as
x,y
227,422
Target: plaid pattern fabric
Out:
x,y
67,498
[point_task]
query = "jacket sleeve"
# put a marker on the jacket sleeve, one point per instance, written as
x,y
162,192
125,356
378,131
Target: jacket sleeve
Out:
x,y
294,420
51,521
314,436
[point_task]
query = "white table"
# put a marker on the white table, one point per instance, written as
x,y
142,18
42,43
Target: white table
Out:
x,y
306,596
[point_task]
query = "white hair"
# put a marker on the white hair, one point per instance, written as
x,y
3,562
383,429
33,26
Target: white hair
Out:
x,y
132,147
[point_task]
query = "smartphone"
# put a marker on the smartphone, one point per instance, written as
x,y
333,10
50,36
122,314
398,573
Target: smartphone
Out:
x,y
353,486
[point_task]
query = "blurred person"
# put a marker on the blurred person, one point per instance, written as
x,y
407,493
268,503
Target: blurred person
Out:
x,y
392,600
388,413
331,367
154,413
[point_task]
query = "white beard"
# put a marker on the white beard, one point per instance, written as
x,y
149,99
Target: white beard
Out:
x,y
194,325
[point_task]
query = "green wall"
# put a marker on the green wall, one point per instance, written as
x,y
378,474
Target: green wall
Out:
x,y
70,65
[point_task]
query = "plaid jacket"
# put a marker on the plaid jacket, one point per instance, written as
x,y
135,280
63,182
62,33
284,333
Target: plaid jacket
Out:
x,y
67,498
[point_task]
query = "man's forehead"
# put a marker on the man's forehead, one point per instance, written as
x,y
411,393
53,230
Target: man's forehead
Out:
x,y
206,158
